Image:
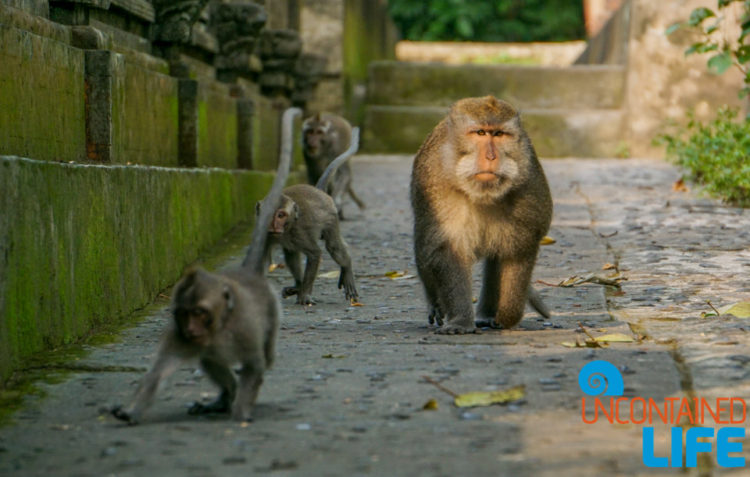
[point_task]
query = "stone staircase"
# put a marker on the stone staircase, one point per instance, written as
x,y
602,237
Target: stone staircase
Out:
x,y
567,111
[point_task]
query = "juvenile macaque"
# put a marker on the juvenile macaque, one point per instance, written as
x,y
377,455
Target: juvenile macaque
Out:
x,y
223,319
326,136
478,192
305,215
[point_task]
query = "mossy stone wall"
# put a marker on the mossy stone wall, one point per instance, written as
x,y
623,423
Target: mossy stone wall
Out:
x,y
82,245
144,114
41,97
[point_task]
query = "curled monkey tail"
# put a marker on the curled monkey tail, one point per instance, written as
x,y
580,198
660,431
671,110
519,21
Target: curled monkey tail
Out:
x,y
254,260
336,163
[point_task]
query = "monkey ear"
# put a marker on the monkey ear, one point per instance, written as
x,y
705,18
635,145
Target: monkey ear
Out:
x,y
295,209
317,117
229,298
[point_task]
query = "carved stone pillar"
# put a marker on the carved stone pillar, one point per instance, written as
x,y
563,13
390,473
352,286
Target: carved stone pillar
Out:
x,y
237,28
175,19
279,50
308,71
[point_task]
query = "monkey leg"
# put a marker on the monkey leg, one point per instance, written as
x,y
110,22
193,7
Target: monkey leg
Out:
x,y
450,286
489,297
360,203
166,363
340,254
304,296
515,277
251,378
294,263
222,376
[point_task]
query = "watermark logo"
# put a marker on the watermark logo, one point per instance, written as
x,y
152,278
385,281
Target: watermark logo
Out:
x,y
700,416
601,378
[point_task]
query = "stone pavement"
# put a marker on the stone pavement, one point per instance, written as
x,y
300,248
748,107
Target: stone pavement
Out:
x,y
346,395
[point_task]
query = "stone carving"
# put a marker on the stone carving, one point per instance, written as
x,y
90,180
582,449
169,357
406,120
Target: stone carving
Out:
x,y
279,50
175,19
308,71
237,27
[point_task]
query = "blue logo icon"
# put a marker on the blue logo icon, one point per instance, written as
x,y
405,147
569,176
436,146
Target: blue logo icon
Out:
x,y
601,378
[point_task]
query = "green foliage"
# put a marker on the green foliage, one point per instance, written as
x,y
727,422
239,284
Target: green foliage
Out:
x,y
481,20
727,51
716,155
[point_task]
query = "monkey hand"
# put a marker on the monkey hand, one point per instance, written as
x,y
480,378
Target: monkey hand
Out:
x,y
123,415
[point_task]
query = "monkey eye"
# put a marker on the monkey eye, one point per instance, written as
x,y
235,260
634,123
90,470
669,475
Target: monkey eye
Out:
x,y
281,214
498,133
481,132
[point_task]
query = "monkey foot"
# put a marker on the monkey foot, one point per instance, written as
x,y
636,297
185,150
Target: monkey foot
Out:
x,y
286,292
453,329
435,317
306,300
122,415
483,322
216,407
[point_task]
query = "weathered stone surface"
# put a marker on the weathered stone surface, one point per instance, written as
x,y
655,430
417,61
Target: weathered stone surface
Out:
x,y
175,19
419,84
278,50
237,27
663,84
308,71
38,71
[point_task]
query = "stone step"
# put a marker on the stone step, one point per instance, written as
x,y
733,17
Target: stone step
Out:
x,y
433,84
554,132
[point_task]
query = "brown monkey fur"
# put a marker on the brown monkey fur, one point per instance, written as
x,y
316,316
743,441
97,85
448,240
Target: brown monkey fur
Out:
x,y
478,192
223,319
324,137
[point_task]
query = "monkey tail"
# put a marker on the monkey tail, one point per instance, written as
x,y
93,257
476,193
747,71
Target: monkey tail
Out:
x,y
254,260
336,163
535,299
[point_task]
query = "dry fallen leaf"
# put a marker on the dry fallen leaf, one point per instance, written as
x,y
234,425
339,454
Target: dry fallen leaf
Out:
x,y
354,302
333,356
431,405
609,266
398,275
615,338
591,278
679,186
740,310
331,274
273,267
487,398
547,240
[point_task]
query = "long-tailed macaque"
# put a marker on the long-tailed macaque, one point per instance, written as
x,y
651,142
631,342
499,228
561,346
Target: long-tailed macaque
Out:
x,y
223,319
306,214
478,192
326,136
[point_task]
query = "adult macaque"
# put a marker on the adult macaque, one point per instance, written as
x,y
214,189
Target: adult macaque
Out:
x,y
223,319
478,192
306,214
326,136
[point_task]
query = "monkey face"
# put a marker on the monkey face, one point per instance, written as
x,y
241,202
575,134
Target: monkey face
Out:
x,y
283,218
316,137
195,324
486,166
